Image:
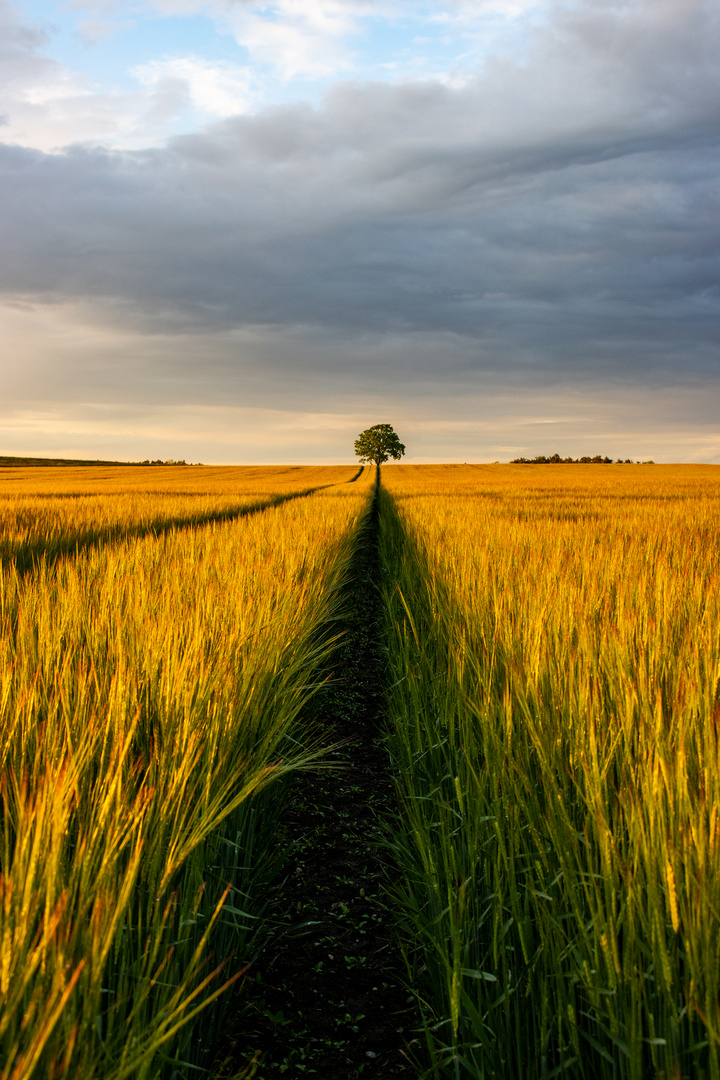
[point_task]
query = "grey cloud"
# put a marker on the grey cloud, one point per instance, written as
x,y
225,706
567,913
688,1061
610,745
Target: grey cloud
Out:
x,y
550,218
17,36
20,60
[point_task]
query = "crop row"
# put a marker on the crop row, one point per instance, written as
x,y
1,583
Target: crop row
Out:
x,y
153,694
46,514
554,645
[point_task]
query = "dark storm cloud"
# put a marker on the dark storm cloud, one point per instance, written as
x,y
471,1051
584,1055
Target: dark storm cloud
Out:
x,y
554,217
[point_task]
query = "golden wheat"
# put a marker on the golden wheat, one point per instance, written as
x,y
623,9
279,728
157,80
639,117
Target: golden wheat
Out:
x,y
555,639
150,690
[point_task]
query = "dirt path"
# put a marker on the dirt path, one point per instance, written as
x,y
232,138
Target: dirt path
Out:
x,y
327,997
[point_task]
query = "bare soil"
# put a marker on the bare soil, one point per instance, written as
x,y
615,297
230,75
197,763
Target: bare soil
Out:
x,y
327,997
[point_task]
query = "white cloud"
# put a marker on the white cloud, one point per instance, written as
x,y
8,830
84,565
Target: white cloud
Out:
x,y
297,39
62,110
47,106
216,89
293,38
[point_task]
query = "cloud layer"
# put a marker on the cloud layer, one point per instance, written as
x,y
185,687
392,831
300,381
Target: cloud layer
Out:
x,y
548,222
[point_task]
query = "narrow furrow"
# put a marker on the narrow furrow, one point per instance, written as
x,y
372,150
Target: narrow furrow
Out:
x,y
328,996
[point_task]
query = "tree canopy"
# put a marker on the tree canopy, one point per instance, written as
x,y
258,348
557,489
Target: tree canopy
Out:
x,y
378,443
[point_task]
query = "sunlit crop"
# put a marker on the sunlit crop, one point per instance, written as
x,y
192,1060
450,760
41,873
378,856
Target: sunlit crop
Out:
x,y
151,689
553,651
47,512
554,639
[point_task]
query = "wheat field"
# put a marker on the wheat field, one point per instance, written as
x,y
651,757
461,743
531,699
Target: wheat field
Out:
x,y
551,638
152,690
49,512
554,642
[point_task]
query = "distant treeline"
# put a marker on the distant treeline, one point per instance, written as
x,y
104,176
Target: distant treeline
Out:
x,y
555,459
27,462
170,461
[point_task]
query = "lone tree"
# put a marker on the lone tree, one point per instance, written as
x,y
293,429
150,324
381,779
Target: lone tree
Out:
x,y
379,443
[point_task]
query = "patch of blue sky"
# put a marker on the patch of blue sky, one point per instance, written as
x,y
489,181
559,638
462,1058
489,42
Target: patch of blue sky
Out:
x,y
388,50
435,47
111,45
109,48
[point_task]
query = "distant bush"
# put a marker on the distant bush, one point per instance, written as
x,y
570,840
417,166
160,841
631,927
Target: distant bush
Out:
x,y
159,461
557,460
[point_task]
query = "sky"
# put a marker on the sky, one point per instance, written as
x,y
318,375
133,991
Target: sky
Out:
x,y
243,231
